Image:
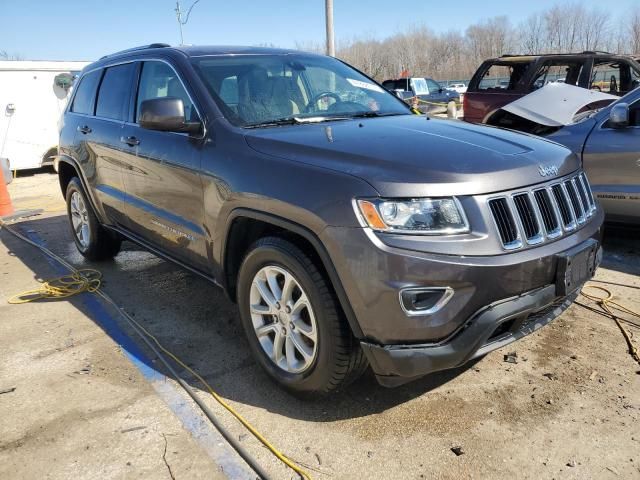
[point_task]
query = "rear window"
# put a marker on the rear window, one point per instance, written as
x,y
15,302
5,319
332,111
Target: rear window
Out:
x,y
83,101
115,92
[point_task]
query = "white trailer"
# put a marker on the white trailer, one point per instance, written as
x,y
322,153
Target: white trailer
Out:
x,y
33,95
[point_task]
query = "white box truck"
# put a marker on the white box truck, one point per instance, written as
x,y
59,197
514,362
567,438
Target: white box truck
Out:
x,y
33,95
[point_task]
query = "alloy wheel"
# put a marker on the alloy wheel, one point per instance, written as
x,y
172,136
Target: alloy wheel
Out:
x,y
283,319
80,219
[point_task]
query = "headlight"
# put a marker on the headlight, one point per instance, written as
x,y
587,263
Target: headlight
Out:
x,y
426,216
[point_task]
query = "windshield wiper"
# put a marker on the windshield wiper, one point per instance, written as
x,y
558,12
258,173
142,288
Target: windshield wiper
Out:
x,y
294,120
273,123
371,114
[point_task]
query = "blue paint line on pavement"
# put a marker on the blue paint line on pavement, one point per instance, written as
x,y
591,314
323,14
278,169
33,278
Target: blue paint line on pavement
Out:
x,y
180,404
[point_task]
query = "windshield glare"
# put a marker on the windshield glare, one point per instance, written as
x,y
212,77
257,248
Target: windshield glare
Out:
x,y
261,89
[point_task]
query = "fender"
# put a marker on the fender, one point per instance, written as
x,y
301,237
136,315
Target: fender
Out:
x,y
62,158
315,243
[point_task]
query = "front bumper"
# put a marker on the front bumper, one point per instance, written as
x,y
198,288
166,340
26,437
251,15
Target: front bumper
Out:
x,y
497,300
495,326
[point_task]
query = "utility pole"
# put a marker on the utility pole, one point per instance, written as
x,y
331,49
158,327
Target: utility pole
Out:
x,y
181,22
331,47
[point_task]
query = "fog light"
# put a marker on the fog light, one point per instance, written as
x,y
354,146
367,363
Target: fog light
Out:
x,y
424,301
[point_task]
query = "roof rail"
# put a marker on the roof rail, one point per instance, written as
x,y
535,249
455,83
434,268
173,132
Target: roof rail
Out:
x,y
135,49
597,51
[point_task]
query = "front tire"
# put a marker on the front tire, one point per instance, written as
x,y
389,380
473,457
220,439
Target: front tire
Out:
x,y
293,322
93,241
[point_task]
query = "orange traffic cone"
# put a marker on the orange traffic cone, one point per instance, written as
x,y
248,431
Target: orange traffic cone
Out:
x,y
6,208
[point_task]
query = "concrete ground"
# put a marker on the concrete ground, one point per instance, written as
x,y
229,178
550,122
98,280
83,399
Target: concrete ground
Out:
x,y
87,407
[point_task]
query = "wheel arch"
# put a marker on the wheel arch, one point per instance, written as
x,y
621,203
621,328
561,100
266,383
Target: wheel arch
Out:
x,y
244,226
67,169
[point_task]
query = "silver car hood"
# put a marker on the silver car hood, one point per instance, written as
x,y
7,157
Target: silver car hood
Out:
x,y
556,104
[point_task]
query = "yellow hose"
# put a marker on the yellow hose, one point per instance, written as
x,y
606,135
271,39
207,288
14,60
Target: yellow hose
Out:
x,y
89,280
608,305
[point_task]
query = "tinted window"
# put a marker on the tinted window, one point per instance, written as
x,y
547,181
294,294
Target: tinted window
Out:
x,y
83,101
114,94
158,80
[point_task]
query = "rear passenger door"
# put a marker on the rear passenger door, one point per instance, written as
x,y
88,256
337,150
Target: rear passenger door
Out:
x,y
99,126
162,179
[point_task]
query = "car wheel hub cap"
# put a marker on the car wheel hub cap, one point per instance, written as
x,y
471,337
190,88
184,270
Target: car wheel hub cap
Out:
x,y
80,219
283,319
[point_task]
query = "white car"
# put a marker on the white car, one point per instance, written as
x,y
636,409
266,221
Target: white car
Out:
x,y
457,87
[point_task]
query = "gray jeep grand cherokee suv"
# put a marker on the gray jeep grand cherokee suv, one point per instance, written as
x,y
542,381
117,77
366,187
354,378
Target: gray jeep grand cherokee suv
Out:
x,y
349,231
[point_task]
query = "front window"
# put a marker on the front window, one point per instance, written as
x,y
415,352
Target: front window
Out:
x,y
255,90
159,80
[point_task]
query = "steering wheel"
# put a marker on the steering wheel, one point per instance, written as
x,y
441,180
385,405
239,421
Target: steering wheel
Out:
x,y
320,95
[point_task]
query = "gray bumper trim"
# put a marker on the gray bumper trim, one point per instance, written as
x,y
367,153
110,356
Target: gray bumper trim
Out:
x,y
397,364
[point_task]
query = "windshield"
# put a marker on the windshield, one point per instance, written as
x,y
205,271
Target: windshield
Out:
x,y
255,90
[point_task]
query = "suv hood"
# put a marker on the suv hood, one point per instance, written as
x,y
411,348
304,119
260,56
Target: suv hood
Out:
x,y
410,156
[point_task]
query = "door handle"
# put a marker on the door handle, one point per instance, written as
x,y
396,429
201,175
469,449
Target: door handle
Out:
x,y
131,141
84,129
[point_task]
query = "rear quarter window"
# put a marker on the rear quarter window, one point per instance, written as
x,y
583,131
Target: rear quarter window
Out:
x,y
115,92
86,93
503,76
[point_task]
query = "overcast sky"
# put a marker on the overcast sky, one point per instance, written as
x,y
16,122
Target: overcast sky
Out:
x,y
88,29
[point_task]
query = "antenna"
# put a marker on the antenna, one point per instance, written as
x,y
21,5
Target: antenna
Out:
x,y
181,22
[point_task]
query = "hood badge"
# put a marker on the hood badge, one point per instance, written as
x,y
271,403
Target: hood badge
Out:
x,y
548,171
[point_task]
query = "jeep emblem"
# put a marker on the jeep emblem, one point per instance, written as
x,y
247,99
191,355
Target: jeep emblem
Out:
x,y
548,171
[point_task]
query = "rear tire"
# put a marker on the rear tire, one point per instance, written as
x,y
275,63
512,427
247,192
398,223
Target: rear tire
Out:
x,y
93,241
330,357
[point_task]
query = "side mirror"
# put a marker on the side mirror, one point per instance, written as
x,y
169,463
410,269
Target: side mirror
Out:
x,y
619,115
166,115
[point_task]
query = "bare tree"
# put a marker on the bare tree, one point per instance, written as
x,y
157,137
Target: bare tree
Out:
x,y
633,31
417,50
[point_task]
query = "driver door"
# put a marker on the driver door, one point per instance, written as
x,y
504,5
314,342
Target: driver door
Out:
x,y
164,195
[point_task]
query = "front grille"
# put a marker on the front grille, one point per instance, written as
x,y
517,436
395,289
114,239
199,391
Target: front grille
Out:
x,y
575,201
549,217
504,222
542,213
527,216
563,205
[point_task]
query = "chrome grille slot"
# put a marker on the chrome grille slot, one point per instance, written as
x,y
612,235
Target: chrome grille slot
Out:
x,y
544,213
587,187
563,205
583,196
575,201
547,212
505,222
527,217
